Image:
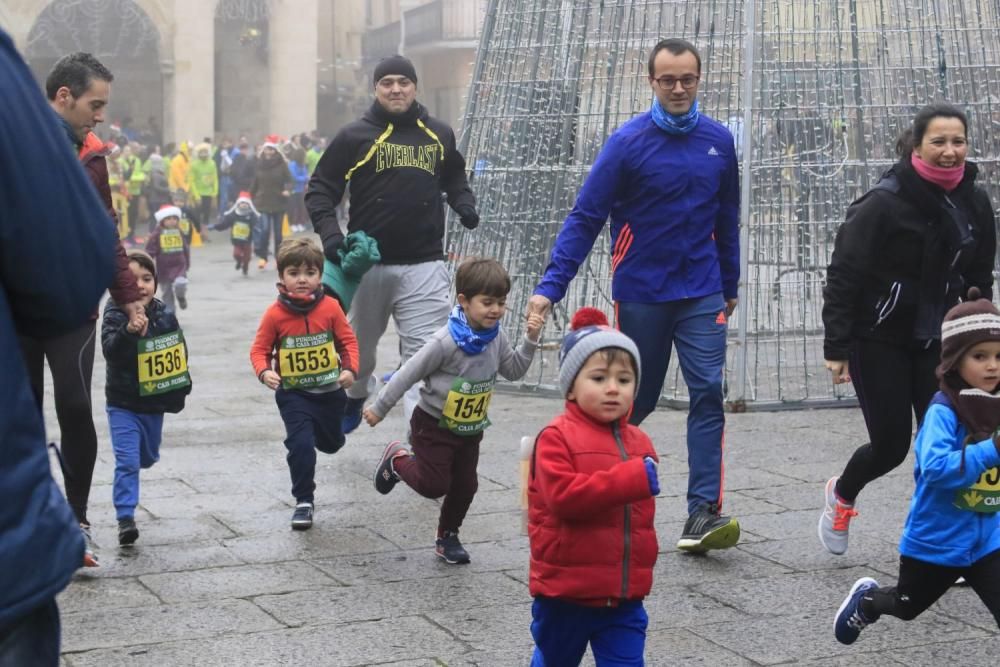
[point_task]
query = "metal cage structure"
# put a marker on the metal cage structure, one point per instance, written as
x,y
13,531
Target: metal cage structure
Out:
x,y
815,93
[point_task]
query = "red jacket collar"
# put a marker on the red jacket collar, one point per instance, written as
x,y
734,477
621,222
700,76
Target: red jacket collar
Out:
x,y
574,410
93,146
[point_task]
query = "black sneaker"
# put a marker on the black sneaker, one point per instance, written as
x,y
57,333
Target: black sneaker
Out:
x,y
450,549
706,529
127,532
385,477
302,519
239,265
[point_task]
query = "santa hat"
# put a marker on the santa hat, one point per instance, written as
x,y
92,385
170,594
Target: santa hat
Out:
x,y
167,211
244,198
271,141
974,321
589,332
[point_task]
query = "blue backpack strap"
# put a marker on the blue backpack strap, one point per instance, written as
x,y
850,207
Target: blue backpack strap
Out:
x,y
940,398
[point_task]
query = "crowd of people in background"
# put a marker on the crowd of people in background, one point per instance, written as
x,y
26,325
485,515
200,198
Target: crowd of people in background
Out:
x,y
205,179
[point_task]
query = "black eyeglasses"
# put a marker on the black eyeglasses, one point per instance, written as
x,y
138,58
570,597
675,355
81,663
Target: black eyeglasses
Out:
x,y
688,82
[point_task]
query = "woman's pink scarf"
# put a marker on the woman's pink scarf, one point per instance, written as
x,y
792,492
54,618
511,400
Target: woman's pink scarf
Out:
x,y
946,178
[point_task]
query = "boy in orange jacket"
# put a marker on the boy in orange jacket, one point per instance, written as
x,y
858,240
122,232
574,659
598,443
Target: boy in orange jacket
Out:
x,y
305,351
591,507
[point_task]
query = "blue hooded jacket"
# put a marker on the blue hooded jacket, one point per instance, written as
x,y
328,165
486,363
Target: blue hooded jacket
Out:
x,y
936,530
674,203
56,258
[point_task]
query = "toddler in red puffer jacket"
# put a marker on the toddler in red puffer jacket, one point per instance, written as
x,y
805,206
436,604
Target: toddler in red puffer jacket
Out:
x,y
590,506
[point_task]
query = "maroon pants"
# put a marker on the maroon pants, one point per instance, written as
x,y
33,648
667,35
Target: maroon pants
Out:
x,y
443,464
242,252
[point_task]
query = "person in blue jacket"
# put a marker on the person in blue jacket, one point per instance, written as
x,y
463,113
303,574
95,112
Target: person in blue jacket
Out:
x,y
669,181
53,270
953,528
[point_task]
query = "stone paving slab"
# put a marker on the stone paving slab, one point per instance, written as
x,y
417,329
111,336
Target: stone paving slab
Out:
x,y
236,582
150,559
342,645
374,601
776,639
218,578
510,557
89,629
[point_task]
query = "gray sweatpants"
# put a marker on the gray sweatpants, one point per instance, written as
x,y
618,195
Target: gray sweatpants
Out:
x,y
417,296
169,289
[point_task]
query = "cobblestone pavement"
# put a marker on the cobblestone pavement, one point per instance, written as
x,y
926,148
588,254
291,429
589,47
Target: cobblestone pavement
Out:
x,y
218,578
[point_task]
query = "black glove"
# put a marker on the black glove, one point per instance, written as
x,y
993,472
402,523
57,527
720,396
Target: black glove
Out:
x,y
468,217
331,246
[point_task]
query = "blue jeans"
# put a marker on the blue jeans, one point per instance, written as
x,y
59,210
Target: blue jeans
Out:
x,y
697,327
32,639
225,183
312,421
269,223
135,438
562,630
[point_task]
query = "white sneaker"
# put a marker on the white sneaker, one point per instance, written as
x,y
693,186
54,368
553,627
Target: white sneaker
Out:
x,y
835,520
89,556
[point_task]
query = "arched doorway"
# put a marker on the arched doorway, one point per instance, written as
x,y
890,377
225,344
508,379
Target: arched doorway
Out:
x,y
242,73
123,37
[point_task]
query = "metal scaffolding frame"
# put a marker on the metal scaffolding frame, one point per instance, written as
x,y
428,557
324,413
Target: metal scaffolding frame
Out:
x,y
827,87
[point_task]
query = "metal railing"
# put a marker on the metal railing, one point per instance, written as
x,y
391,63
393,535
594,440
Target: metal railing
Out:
x,y
815,110
443,21
378,43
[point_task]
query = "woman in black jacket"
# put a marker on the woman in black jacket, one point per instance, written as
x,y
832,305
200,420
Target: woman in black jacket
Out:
x,y
907,252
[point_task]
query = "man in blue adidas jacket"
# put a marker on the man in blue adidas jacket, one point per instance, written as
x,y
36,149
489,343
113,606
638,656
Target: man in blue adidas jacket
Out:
x,y
56,258
669,181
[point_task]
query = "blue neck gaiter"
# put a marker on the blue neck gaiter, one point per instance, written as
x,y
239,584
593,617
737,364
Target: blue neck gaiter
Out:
x,y
672,124
469,340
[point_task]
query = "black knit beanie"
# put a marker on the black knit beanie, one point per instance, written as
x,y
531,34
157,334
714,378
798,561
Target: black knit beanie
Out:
x,y
395,65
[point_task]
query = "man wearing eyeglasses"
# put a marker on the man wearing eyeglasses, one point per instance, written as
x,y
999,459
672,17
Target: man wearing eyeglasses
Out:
x,y
669,182
397,160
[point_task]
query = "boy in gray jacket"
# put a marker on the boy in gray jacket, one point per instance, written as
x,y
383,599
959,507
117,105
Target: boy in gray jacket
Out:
x,y
458,365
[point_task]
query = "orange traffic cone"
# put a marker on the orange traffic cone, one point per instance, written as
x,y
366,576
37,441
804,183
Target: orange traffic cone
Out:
x,y
286,229
195,238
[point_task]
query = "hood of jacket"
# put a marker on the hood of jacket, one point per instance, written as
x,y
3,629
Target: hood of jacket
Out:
x,y
378,116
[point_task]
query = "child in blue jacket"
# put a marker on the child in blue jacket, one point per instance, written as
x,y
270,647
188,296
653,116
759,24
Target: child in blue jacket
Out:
x,y
953,529
146,376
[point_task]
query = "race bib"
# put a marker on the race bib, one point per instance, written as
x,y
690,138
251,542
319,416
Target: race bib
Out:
x,y
241,231
162,364
983,496
185,226
171,241
308,361
464,411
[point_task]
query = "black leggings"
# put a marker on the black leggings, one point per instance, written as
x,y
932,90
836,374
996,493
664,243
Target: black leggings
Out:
x,y
921,584
891,382
204,213
71,360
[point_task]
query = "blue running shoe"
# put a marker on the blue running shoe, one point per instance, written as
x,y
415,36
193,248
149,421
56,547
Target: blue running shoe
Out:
x,y
352,414
849,621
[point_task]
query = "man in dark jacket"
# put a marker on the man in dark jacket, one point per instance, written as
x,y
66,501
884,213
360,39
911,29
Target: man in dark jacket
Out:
x,y
53,270
397,160
242,169
78,89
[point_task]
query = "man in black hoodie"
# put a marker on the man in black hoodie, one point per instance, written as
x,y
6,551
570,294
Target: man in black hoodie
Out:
x,y
398,161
